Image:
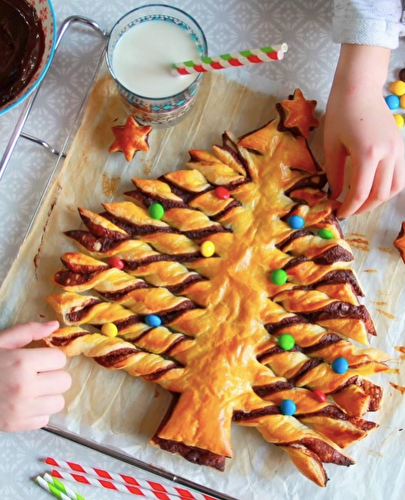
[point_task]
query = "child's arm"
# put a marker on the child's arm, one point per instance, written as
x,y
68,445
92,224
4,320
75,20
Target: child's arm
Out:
x,y
359,123
32,380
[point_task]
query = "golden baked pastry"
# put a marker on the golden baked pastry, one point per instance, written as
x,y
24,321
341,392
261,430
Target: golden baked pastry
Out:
x,y
399,242
130,138
218,345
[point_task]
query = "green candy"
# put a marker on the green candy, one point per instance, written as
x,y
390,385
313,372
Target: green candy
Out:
x,y
326,234
286,341
278,277
156,211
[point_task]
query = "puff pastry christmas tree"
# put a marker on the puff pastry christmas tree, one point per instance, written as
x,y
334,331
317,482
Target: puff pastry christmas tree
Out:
x,y
211,329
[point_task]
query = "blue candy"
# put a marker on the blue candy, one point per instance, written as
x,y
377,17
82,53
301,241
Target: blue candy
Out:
x,y
288,407
340,365
392,101
296,221
153,320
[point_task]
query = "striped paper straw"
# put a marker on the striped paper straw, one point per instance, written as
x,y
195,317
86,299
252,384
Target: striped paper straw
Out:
x,y
111,485
51,488
63,488
129,480
241,58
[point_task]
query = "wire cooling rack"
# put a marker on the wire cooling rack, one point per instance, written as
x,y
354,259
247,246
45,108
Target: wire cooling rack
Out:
x,y
18,134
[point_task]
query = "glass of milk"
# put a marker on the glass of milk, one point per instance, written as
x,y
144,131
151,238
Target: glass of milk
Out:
x,y
141,48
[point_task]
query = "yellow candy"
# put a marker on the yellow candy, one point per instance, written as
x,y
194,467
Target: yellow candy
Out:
x,y
398,88
399,120
109,329
208,249
402,101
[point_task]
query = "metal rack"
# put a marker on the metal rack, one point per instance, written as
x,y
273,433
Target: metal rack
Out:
x,y
61,155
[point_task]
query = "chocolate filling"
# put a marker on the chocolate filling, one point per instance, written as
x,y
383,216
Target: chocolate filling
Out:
x,y
116,357
147,200
225,211
133,265
233,150
341,310
117,295
125,323
171,315
263,358
69,278
77,316
326,340
305,368
243,416
350,381
293,236
159,373
339,276
267,390
197,234
180,191
273,328
67,339
192,453
83,269
332,255
180,287
22,45
315,182
100,231
137,229
326,453
337,414
91,243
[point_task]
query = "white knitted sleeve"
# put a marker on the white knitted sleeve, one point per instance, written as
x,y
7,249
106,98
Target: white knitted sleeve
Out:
x,y
368,22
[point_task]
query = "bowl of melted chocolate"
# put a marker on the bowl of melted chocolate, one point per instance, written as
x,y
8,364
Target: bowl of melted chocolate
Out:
x,y
27,44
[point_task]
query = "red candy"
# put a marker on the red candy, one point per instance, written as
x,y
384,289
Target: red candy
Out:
x,y
320,396
115,262
222,193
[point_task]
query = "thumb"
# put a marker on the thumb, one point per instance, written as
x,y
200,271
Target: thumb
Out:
x,y
21,335
335,170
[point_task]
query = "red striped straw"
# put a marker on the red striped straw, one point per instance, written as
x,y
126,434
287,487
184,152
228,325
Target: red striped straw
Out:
x,y
234,59
121,482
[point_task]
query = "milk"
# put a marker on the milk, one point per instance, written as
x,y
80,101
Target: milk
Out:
x,y
143,56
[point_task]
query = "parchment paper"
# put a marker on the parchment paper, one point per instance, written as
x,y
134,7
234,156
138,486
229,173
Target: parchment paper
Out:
x,y
117,410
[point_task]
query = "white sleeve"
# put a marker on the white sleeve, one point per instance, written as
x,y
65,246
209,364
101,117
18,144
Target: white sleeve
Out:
x,y
368,22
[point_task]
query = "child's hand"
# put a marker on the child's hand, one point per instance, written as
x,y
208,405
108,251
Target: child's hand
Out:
x,y
359,124
32,380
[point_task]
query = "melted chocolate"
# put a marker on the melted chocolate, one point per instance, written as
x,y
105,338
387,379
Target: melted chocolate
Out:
x,y
22,44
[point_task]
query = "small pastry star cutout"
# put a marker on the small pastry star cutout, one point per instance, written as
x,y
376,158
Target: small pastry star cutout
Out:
x,y
130,138
399,243
299,114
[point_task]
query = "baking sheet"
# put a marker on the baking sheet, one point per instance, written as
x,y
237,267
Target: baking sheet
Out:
x,y
121,412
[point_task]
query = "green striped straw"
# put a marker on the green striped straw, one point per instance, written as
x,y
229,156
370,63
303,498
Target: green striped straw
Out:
x,y
223,61
63,488
57,488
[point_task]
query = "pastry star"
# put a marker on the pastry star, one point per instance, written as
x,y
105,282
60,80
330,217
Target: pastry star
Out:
x,y
130,138
399,243
299,114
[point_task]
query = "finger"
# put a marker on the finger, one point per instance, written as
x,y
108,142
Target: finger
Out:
x,y
51,383
335,170
27,424
398,178
381,189
47,405
21,335
361,183
41,359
